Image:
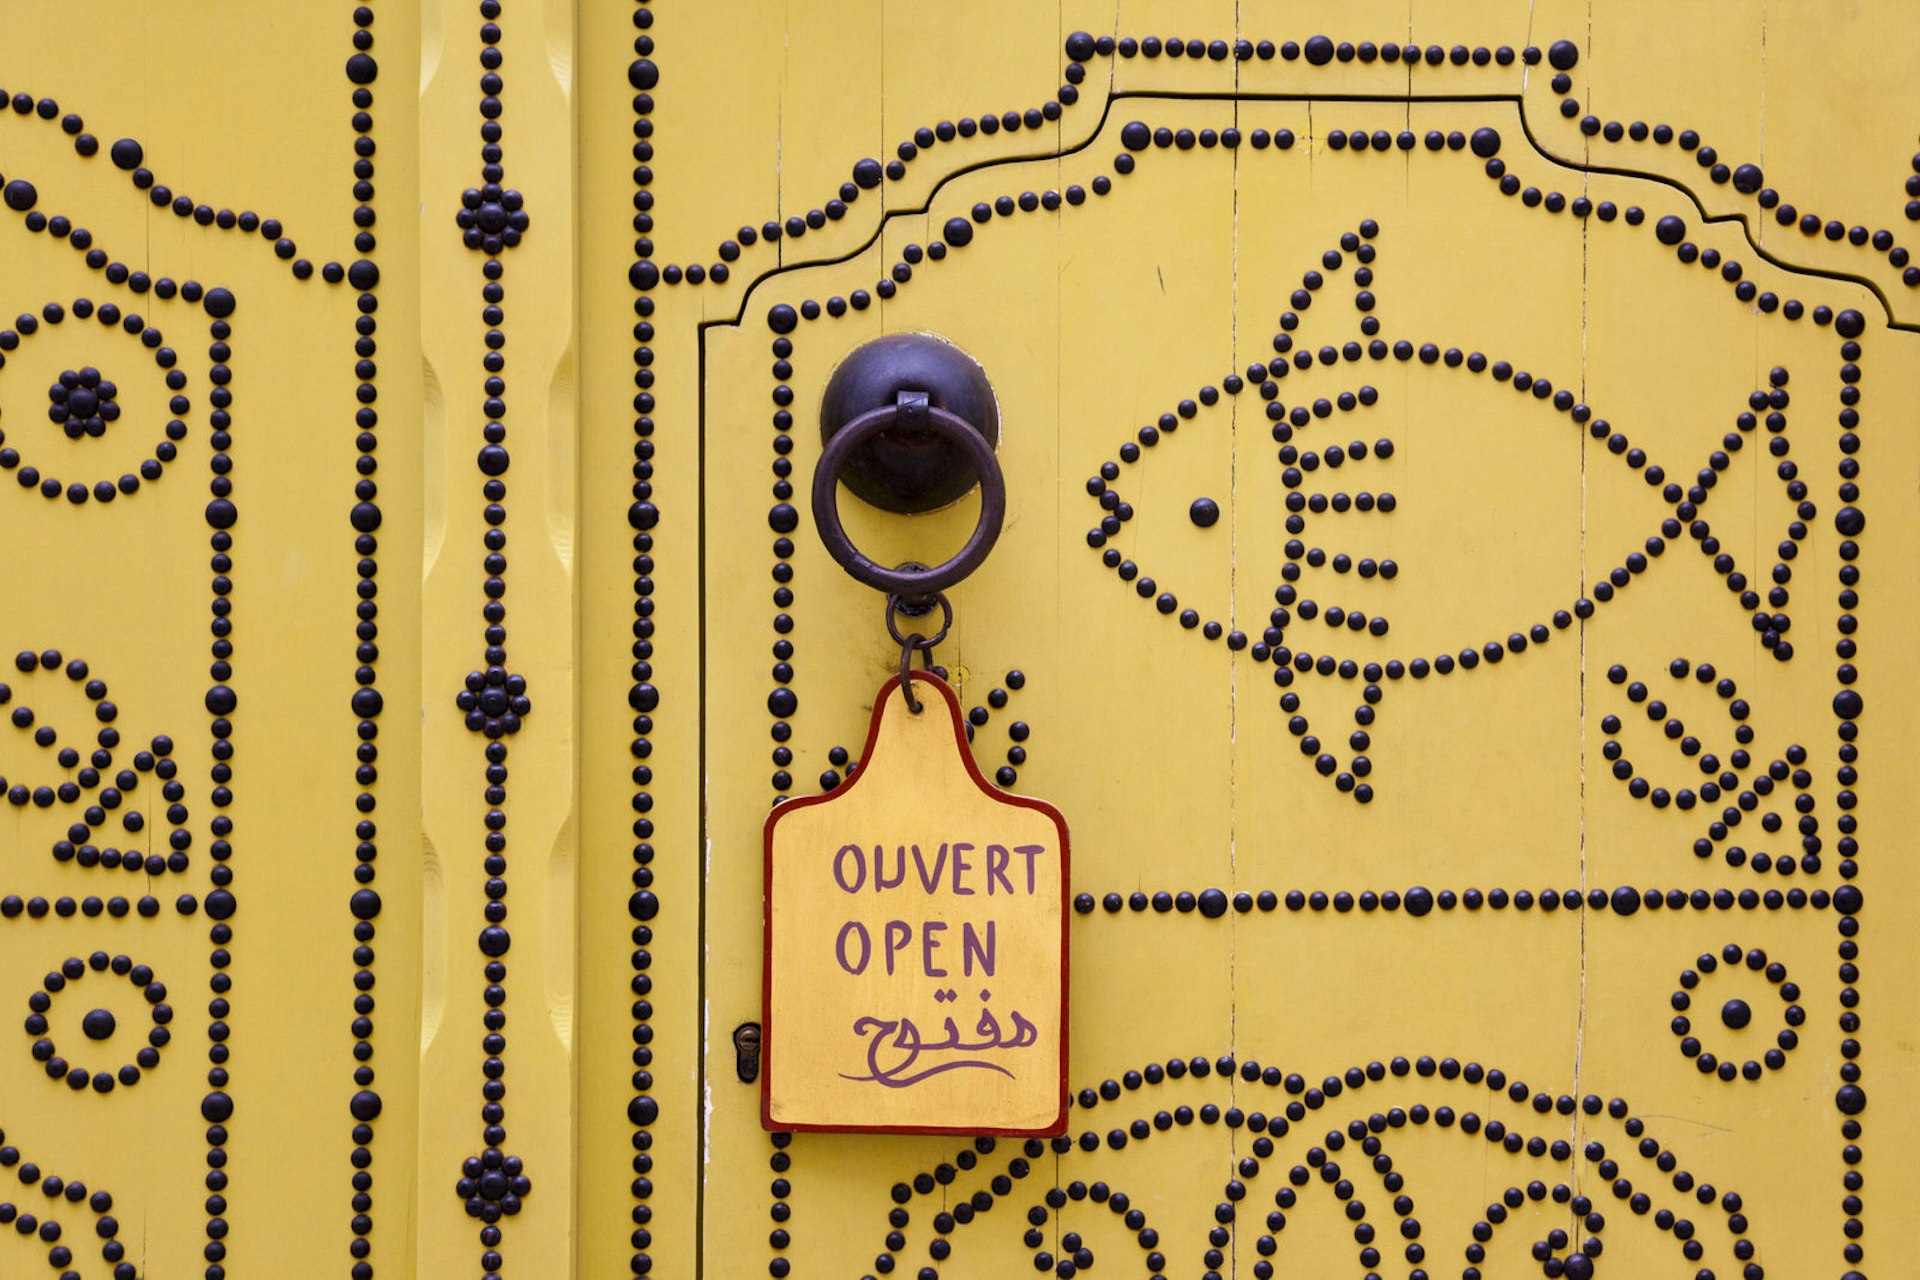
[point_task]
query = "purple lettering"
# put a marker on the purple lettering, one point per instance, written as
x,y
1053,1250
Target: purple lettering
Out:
x,y
856,929
928,944
997,859
931,882
970,948
880,880
897,937
860,866
960,867
1030,852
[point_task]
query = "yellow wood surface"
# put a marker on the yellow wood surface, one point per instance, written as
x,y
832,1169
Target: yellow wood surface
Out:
x,y
1415,1063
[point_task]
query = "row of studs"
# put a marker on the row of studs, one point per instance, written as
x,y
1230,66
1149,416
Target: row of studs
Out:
x,y
643,695
1307,1098
1213,902
493,1183
129,155
216,1106
1318,51
868,172
1848,705
366,702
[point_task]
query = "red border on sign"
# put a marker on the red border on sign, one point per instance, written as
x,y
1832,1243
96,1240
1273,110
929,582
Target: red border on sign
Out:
x,y
1059,1123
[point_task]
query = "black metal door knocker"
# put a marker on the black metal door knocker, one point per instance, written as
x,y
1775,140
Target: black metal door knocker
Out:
x,y
911,451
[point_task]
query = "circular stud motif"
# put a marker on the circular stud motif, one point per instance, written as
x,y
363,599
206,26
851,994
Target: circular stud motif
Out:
x,y
83,404
491,218
492,1185
495,701
98,1025
1735,1014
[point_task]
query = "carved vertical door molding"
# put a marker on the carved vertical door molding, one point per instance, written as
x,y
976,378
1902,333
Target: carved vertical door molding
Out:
x,y
501,638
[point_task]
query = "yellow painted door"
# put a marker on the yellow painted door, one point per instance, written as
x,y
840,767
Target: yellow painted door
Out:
x,y
1460,507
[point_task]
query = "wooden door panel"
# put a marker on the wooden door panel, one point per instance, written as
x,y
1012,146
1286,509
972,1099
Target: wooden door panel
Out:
x,y
1559,624
194,624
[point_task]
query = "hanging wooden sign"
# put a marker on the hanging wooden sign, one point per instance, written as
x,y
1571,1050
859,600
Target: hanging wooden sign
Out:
x,y
916,944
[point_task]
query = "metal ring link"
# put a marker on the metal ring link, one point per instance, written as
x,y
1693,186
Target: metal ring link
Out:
x,y
908,584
